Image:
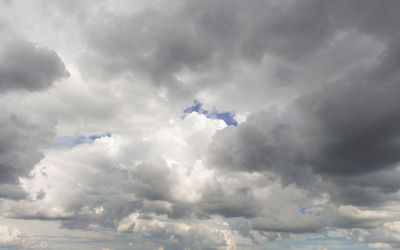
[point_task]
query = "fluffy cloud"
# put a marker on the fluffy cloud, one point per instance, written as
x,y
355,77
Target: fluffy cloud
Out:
x,y
313,86
13,239
24,66
19,142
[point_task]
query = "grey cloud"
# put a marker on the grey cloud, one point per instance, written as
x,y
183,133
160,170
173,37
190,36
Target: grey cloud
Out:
x,y
117,193
375,189
362,195
203,37
292,30
349,219
153,180
335,133
265,142
208,38
240,203
242,226
299,154
341,138
302,224
171,236
346,127
12,191
388,235
343,127
19,142
24,66
149,43
354,123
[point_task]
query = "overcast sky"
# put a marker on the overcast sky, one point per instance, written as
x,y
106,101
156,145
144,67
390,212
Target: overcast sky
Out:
x,y
187,124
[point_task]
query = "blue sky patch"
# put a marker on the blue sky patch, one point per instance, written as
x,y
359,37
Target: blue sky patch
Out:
x,y
227,117
305,210
62,142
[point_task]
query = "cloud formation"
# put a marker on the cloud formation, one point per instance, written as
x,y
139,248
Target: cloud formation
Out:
x,y
23,66
19,142
201,124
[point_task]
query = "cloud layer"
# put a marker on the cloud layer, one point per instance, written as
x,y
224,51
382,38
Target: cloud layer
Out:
x,y
200,124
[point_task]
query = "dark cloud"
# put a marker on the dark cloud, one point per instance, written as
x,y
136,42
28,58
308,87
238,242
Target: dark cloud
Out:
x,y
346,133
24,66
340,138
153,180
354,123
302,224
213,35
149,43
19,142
12,191
240,203
330,148
346,130
203,37
265,142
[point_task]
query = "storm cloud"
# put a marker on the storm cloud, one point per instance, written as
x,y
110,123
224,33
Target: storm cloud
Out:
x,y
307,154
24,66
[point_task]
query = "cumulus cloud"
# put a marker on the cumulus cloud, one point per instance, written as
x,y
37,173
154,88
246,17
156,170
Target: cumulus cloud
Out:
x,y
24,66
12,238
19,142
294,130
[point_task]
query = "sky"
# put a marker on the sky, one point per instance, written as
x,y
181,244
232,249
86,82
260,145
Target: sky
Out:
x,y
185,124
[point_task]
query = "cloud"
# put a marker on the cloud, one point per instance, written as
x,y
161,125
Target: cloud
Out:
x,y
19,142
127,185
354,136
13,239
24,66
174,235
311,88
71,141
308,225
227,117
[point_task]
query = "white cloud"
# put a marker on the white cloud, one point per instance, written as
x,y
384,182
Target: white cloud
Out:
x,y
312,85
12,238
